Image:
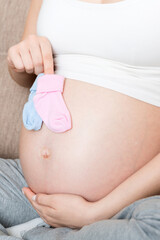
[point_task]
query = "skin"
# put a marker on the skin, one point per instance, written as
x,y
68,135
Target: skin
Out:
x,y
19,69
61,209
24,64
40,51
73,211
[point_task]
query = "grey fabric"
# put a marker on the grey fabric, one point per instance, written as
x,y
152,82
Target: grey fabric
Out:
x,y
14,206
138,221
12,96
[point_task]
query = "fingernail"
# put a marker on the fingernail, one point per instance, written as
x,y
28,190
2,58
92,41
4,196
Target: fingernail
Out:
x,y
22,191
34,198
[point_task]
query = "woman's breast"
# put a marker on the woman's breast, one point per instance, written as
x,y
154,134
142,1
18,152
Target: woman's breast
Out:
x,y
112,136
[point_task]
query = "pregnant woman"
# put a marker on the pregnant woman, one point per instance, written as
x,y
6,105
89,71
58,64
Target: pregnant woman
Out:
x,y
107,166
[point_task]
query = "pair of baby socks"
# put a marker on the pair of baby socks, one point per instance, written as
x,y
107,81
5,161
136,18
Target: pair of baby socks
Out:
x,y
31,119
46,104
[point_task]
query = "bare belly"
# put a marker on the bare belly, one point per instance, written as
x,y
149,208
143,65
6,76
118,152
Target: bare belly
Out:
x,y
113,135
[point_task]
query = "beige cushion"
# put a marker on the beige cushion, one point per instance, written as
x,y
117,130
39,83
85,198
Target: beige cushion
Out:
x,y
12,96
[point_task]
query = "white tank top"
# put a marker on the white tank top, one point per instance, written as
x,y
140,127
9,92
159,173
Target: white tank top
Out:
x,y
115,45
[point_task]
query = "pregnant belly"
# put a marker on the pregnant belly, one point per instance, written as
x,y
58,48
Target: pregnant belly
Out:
x,y
113,135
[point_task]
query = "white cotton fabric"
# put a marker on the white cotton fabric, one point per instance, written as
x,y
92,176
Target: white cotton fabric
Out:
x,y
116,45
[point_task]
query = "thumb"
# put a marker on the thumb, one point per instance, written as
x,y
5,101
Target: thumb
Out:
x,y
44,199
28,193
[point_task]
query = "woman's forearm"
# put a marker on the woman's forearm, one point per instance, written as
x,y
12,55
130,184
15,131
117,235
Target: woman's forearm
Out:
x,y
143,183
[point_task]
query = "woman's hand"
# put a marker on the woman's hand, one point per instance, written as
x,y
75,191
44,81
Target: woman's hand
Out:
x,y
32,55
59,210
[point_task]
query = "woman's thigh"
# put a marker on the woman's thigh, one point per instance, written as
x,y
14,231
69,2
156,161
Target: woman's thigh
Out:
x,y
14,207
140,221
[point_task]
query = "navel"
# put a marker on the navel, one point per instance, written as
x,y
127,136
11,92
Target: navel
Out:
x,y
45,153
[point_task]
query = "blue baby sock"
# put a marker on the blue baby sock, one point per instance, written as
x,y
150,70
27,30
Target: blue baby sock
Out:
x,y
31,119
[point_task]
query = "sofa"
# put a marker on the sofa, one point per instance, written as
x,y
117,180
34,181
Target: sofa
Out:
x,y
12,96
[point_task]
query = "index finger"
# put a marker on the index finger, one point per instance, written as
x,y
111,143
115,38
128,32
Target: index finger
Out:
x,y
47,56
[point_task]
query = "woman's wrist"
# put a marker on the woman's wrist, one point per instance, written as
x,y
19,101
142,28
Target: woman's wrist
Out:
x,y
97,211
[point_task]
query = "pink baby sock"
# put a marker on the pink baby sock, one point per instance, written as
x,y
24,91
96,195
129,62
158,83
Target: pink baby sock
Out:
x,y
49,103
